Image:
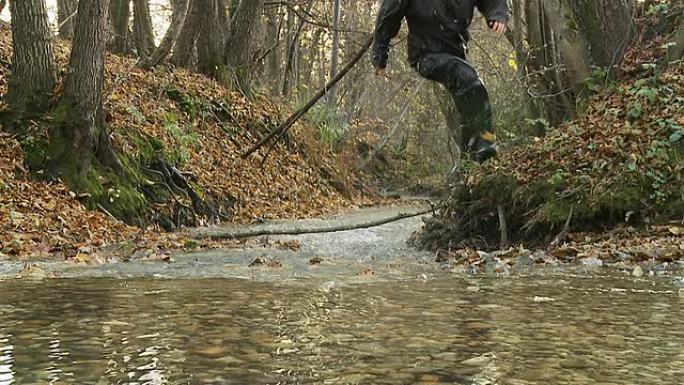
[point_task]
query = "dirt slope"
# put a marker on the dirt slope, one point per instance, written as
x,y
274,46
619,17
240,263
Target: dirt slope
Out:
x,y
199,128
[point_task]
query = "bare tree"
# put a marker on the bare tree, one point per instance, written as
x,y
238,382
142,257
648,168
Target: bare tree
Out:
x,y
210,41
79,137
34,72
290,74
180,12
335,52
142,28
240,44
273,30
66,10
119,16
184,50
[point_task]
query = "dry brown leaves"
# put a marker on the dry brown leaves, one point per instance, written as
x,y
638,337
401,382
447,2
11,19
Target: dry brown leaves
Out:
x,y
37,218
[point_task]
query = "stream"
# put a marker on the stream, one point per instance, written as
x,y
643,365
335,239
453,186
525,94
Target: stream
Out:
x,y
371,310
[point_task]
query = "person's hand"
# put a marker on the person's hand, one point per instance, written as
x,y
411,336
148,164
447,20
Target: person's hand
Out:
x,y
380,72
497,26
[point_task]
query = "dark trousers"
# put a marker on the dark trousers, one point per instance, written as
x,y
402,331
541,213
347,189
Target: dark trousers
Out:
x,y
469,93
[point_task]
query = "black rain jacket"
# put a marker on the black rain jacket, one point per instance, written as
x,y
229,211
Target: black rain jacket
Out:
x,y
435,26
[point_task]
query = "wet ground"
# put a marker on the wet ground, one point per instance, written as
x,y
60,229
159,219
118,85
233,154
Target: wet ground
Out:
x,y
356,307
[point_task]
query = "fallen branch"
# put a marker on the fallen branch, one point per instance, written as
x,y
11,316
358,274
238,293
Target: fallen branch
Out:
x,y
245,232
279,132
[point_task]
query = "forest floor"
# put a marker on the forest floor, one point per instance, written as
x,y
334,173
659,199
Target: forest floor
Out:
x,y
188,121
358,255
602,189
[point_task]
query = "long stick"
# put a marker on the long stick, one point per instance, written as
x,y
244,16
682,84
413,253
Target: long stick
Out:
x,y
248,233
283,128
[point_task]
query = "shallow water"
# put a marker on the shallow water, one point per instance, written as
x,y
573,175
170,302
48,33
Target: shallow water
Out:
x,y
538,330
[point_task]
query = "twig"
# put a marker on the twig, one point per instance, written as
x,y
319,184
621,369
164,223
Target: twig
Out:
x,y
227,233
566,228
381,145
104,210
66,20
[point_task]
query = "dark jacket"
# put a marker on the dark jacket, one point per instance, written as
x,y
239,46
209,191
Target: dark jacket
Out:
x,y
435,26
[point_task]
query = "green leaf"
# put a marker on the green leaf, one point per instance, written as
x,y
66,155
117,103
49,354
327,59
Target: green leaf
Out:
x,y
676,137
636,111
649,93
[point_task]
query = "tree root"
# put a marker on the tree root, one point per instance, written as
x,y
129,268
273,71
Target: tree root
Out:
x,y
179,183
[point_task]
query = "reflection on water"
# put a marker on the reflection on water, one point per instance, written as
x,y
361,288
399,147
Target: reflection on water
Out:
x,y
518,331
6,360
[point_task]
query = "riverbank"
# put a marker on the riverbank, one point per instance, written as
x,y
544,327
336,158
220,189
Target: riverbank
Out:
x,y
360,255
181,136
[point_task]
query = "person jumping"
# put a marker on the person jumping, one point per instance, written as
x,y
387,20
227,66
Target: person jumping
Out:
x,y
437,41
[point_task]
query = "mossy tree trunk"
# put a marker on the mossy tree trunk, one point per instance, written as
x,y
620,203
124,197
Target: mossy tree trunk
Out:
x,y
34,73
79,136
142,28
65,18
120,16
239,46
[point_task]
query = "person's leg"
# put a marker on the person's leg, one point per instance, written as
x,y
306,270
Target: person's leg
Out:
x,y
472,100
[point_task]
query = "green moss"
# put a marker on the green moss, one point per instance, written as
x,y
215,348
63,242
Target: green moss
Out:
x,y
147,148
35,153
116,195
621,199
193,106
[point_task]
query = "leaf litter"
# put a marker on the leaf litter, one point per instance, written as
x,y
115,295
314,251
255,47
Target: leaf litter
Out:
x,y
207,128
604,189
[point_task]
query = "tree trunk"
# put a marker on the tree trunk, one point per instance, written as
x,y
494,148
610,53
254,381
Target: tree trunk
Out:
x,y
240,46
79,135
210,41
34,73
676,51
224,20
335,53
292,54
180,12
65,17
272,43
142,28
544,83
120,15
571,43
183,52
608,26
